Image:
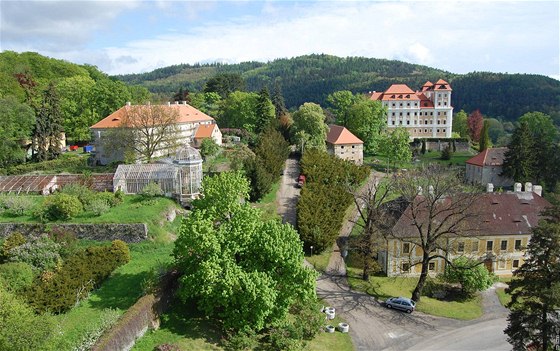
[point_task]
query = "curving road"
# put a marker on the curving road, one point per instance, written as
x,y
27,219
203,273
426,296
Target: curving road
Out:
x,y
374,327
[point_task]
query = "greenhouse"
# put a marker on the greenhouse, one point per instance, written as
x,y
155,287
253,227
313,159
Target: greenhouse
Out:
x,y
179,177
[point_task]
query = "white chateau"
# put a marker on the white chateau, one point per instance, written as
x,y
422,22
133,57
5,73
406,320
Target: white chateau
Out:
x,y
424,114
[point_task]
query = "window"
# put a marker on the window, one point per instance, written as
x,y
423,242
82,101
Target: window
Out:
x,y
342,146
393,122
438,130
489,245
515,263
406,267
394,104
400,104
408,113
408,104
474,246
503,245
406,247
407,122
425,121
517,245
400,114
460,246
431,266
393,113
502,264
353,146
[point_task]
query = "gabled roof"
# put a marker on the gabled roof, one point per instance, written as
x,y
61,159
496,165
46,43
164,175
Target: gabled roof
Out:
x,y
489,157
399,89
204,131
187,114
442,85
508,213
403,92
424,101
339,135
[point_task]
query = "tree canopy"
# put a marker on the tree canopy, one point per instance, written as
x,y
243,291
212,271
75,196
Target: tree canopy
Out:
x,y
309,128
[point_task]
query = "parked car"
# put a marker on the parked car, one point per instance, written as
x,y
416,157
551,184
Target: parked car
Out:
x,y
401,303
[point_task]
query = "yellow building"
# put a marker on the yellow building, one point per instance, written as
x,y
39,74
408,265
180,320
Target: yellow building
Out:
x,y
503,223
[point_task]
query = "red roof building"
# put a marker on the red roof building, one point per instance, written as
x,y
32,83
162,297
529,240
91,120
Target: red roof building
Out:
x,y
342,143
486,167
425,114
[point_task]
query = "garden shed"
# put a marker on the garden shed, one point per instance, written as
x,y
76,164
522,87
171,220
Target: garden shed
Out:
x,y
179,177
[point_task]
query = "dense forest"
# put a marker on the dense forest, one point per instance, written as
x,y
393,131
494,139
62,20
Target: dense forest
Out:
x,y
312,78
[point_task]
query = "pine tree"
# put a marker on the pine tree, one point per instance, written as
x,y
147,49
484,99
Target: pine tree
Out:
x,y
535,289
278,100
265,111
49,126
519,162
484,142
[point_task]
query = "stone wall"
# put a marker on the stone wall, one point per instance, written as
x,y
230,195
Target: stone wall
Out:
x,y
129,232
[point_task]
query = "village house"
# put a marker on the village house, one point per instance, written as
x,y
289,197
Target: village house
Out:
x,y
503,229
424,114
486,167
189,121
345,145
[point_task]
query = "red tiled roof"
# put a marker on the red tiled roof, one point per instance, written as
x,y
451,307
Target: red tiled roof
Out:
x,y
376,96
489,157
187,114
424,101
399,89
442,85
204,131
339,135
498,214
403,92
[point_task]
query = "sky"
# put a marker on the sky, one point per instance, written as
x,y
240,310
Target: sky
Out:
x,y
121,37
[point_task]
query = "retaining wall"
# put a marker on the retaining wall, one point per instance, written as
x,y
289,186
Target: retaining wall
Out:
x,y
127,232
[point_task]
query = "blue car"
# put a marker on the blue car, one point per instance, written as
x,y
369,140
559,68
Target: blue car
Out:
x,y
401,303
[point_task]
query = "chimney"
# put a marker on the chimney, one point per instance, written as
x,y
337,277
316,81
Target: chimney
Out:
x,y
489,188
431,190
529,187
168,103
128,103
537,189
184,102
517,187
176,102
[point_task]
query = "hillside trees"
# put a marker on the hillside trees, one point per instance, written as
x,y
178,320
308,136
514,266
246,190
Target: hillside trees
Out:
x,y
224,84
18,121
244,271
535,289
309,128
278,100
439,208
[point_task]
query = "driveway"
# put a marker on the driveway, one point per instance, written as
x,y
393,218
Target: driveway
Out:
x,y
372,325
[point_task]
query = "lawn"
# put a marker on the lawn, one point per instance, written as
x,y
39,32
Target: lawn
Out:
x,y
268,203
385,287
321,261
114,297
503,296
380,162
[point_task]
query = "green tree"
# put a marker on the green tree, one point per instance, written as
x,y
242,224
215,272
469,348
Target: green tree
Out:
x,y
278,100
396,146
208,103
49,126
541,126
472,275
484,142
460,124
535,288
260,180
309,126
239,110
245,271
366,119
16,127
225,84
519,161
209,148
273,150
76,97
20,328
339,104
495,129
265,111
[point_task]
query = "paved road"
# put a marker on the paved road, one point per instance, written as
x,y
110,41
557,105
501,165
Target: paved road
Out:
x,y
374,327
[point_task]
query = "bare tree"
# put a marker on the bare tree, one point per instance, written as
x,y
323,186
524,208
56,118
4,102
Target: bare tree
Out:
x,y
144,130
440,208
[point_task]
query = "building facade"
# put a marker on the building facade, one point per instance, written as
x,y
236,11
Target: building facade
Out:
x,y
487,167
425,114
188,122
345,145
503,232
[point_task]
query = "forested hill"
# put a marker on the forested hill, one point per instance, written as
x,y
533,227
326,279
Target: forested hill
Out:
x,y
311,78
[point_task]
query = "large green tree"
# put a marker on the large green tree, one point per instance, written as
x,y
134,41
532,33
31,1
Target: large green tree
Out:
x,y
75,105
225,84
238,268
16,128
48,126
366,119
520,162
535,289
484,142
339,104
460,125
396,146
265,111
278,100
309,128
239,110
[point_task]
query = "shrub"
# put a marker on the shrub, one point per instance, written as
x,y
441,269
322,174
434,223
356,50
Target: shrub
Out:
x,y
472,275
98,206
78,275
13,240
113,199
16,205
151,190
209,148
60,206
41,253
82,192
66,239
446,154
17,276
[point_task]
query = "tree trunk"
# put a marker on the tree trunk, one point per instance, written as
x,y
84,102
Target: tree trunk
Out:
x,y
423,276
365,272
